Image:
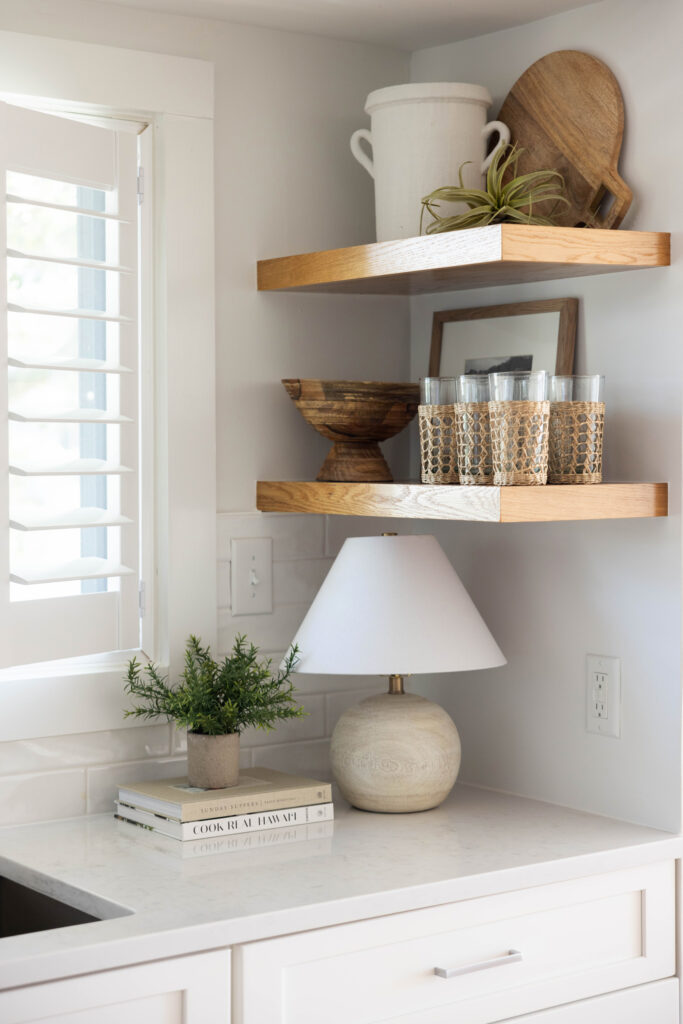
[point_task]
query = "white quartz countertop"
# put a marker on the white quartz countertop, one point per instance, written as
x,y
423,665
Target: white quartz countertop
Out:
x,y
186,897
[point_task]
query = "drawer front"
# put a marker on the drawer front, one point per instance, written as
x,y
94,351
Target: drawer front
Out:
x,y
183,990
656,1003
503,955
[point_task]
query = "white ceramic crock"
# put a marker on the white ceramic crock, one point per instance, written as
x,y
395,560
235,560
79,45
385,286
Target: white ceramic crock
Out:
x,y
420,136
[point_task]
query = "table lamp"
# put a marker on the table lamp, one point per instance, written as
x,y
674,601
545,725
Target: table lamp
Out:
x,y
394,606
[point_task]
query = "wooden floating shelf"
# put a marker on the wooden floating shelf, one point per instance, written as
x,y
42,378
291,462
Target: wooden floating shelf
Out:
x,y
551,503
476,258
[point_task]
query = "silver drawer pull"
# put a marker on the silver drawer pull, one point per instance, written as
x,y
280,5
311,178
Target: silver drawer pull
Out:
x,y
513,956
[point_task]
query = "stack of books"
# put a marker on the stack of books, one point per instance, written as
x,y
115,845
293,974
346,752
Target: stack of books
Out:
x,y
262,799
249,847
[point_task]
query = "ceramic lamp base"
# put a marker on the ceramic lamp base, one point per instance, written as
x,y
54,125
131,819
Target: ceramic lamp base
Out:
x,y
395,752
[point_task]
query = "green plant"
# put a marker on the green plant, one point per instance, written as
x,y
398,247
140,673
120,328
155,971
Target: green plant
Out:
x,y
215,698
513,200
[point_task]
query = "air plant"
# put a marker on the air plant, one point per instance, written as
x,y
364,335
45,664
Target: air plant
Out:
x,y
512,201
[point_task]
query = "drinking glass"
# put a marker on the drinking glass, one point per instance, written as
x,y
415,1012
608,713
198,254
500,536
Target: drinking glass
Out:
x,y
519,386
473,387
436,418
473,429
519,413
578,387
577,423
438,390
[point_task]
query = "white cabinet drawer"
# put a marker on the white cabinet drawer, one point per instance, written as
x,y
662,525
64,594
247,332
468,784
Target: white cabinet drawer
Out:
x,y
656,1003
577,939
184,990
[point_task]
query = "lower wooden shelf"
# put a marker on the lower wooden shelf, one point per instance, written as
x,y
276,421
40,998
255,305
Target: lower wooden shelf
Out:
x,y
552,503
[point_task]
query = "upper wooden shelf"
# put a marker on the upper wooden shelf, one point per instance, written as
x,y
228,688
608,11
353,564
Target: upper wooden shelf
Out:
x,y
477,258
551,503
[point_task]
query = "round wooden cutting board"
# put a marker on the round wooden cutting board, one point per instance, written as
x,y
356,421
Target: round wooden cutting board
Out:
x,y
567,113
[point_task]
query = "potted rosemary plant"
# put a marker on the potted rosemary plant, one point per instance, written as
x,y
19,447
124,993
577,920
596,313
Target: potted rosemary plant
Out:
x,y
215,702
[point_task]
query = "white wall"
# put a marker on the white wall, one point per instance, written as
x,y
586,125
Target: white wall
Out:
x,y
65,776
286,105
553,593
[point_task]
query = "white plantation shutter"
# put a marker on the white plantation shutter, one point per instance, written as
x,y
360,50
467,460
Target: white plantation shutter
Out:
x,y
69,439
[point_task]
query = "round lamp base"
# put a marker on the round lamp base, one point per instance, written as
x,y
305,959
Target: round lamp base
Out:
x,y
395,752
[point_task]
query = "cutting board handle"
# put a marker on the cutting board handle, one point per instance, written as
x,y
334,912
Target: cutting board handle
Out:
x,y
623,197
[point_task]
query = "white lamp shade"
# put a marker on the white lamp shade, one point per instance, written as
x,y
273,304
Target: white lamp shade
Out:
x,y
394,606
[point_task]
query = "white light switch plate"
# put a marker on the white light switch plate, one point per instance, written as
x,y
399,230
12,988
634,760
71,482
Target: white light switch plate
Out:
x,y
603,695
251,575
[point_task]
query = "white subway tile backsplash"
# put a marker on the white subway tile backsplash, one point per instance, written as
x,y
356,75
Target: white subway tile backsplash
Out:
x,y
179,740
293,729
55,752
103,782
223,598
40,797
310,758
294,536
298,581
305,683
269,632
71,775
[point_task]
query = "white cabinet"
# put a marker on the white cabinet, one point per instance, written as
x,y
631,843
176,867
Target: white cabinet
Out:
x,y
648,1004
499,957
593,950
186,990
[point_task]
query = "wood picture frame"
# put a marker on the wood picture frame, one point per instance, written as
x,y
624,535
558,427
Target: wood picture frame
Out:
x,y
568,309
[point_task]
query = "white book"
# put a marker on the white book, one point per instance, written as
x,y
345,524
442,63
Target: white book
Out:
x,y
233,825
257,790
318,839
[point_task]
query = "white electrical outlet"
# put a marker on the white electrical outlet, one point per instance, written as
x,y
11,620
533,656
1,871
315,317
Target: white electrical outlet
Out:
x,y
603,695
251,575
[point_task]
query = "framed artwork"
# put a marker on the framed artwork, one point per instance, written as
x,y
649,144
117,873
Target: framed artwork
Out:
x,y
537,335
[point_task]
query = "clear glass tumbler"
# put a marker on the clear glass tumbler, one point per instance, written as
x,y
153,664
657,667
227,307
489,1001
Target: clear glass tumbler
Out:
x,y
578,387
519,412
473,387
473,429
519,386
438,390
436,418
577,423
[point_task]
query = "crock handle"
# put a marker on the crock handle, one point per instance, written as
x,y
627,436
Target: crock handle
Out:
x,y
362,157
503,140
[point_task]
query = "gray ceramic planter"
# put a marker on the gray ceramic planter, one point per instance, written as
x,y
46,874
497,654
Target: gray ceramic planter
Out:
x,y
213,762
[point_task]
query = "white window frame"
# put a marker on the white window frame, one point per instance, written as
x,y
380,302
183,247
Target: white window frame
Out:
x,y
175,95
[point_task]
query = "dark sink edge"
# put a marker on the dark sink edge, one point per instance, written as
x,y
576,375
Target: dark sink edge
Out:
x,y
85,900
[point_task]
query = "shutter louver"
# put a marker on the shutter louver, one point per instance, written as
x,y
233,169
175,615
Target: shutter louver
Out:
x,y
69,558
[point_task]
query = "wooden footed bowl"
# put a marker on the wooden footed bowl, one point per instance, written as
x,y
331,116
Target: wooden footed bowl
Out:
x,y
356,415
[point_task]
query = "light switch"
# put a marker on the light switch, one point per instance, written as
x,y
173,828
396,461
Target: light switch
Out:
x,y
251,575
